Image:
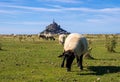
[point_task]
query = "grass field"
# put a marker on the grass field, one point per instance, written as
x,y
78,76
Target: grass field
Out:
x,y
37,61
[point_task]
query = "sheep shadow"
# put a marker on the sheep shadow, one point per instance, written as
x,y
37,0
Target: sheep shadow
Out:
x,y
101,70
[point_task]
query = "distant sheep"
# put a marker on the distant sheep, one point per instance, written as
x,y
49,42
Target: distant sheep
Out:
x,y
42,36
29,35
62,38
46,36
50,37
75,46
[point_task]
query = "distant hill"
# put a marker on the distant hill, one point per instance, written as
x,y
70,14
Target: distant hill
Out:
x,y
54,28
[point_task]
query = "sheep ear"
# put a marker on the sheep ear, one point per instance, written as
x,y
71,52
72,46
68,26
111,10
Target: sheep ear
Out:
x,y
61,55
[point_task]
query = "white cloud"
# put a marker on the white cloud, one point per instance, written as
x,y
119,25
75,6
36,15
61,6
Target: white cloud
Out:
x,y
58,8
5,12
30,8
94,21
110,10
25,23
104,10
104,20
64,1
35,8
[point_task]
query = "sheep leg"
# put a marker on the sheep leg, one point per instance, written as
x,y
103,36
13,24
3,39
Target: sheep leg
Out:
x,y
77,61
80,62
62,65
69,61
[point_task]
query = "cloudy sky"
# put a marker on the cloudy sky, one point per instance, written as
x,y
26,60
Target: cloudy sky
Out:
x,y
82,16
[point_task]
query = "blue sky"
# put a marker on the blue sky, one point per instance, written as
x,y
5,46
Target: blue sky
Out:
x,y
82,16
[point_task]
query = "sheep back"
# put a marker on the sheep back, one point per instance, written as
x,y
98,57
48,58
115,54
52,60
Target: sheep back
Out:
x,y
76,43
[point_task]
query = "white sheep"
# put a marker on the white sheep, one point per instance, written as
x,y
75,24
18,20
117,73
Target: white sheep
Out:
x,y
75,45
62,38
49,36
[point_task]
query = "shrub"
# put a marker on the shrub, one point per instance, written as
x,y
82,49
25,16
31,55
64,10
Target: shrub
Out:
x,y
111,42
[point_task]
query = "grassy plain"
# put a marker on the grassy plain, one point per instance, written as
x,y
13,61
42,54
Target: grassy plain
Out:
x,y
34,60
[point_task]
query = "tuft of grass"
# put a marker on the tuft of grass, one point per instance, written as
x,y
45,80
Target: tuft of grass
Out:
x,y
111,42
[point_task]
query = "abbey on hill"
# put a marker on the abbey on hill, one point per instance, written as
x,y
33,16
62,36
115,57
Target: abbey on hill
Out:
x,y
54,28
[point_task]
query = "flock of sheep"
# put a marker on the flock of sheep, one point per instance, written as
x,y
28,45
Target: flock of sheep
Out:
x,y
75,46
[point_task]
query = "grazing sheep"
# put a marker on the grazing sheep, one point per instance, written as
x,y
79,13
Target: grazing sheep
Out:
x,y
62,38
29,35
75,46
50,37
42,36
46,36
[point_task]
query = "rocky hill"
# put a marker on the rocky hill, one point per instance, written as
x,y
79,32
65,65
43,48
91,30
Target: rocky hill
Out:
x,y
54,28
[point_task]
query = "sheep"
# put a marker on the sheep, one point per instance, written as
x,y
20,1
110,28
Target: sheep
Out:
x,y
46,36
75,45
42,36
62,38
50,37
29,36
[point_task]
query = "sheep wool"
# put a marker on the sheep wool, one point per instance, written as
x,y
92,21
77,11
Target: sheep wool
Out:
x,y
62,38
76,43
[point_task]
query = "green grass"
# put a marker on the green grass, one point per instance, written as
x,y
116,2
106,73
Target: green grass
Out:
x,y
37,61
